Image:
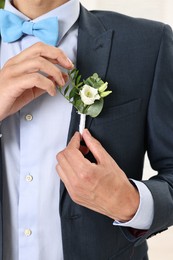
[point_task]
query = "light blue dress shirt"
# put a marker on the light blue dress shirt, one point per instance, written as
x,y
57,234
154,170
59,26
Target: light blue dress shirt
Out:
x,y
30,141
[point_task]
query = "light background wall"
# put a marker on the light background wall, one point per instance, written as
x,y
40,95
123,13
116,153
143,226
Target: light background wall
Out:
x,y
161,10
161,246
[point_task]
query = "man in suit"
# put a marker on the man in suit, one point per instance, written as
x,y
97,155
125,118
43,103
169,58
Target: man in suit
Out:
x,y
105,210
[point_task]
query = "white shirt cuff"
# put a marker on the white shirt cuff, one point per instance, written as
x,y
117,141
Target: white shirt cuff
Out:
x,y
144,215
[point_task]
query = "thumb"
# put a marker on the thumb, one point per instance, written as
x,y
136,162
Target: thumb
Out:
x,y
94,146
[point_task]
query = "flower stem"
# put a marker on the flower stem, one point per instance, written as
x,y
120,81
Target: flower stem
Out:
x,y
82,123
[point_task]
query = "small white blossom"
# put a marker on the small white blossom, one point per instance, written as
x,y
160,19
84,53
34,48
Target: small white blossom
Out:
x,y
89,95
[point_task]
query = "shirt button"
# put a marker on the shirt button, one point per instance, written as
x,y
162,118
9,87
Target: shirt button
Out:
x,y
28,117
29,178
27,232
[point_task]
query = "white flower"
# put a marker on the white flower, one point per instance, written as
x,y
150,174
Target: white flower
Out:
x,y
89,94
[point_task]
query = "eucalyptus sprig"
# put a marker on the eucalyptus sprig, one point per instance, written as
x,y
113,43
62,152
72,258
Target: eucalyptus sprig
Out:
x,y
87,96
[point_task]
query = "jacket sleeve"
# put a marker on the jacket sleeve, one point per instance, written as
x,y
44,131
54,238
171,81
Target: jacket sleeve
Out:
x,y
160,141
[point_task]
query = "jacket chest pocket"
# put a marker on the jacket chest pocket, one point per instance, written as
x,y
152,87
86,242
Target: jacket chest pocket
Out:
x,y
118,112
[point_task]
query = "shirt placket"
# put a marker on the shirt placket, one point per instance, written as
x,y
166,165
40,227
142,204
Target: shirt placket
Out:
x,y
28,186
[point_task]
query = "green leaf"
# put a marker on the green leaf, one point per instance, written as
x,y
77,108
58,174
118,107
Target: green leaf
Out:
x,y
89,82
73,72
66,90
80,84
94,81
78,80
77,84
95,109
72,93
79,105
75,75
95,76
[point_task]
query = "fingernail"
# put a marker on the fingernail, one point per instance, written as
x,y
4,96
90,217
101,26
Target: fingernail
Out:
x,y
70,62
53,92
87,132
62,81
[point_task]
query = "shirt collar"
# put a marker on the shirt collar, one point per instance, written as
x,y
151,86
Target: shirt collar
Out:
x,y
67,14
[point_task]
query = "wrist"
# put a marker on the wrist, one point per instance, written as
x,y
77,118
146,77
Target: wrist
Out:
x,y
133,201
130,203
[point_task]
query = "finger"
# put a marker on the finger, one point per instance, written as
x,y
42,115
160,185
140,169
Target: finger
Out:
x,y
75,141
38,65
39,81
72,155
29,81
95,147
43,50
70,182
25,98
73,166
64,167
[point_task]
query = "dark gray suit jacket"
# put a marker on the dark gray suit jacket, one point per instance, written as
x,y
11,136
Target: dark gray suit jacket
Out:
x,y
135,57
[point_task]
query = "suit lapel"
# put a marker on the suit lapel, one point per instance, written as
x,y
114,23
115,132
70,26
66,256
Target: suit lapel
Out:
x,y
94,43
93,51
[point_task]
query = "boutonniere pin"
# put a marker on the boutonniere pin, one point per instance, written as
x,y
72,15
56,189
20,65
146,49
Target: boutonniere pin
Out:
x,y
87,96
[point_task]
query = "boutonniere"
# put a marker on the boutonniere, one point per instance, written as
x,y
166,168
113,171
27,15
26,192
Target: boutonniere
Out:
x,y
87,96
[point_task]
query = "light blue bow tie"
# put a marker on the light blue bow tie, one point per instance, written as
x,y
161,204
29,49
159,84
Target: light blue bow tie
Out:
x,y
13,28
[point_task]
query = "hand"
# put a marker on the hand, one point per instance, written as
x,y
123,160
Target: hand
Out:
x,y
21,82
102,186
